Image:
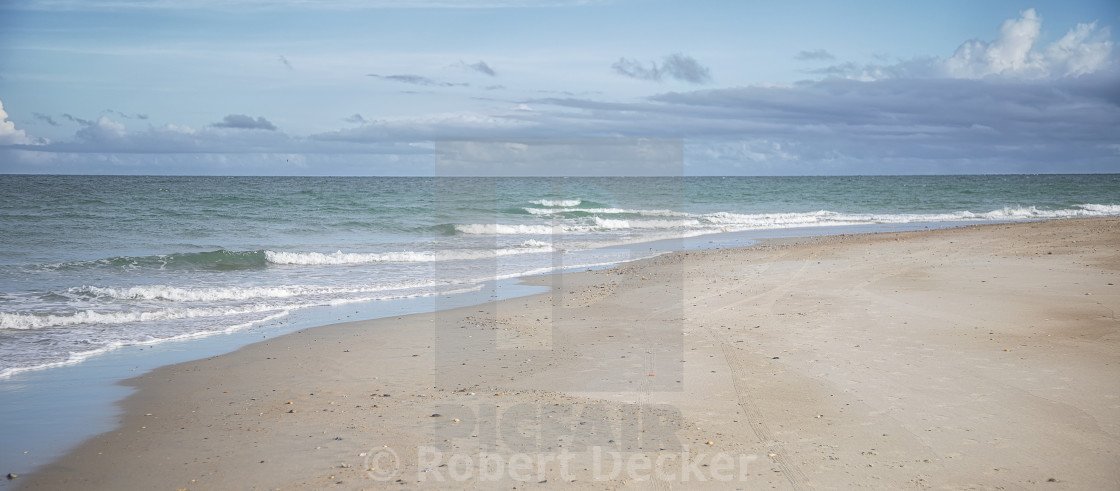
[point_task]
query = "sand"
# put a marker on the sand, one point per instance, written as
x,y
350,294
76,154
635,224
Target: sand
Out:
x,y
984,357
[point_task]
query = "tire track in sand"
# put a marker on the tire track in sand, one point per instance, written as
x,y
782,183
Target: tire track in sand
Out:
x,y
776,450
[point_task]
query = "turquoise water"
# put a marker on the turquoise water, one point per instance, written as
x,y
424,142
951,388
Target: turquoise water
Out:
x,y
92,264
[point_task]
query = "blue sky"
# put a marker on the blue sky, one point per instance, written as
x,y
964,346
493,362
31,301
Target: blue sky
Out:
x,y
367,87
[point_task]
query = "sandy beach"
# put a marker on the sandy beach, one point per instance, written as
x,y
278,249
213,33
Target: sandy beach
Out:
x,y
984,357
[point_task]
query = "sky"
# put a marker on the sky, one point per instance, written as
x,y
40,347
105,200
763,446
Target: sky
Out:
x,y
376,87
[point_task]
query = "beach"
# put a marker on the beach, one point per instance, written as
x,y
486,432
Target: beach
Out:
x,y
981,357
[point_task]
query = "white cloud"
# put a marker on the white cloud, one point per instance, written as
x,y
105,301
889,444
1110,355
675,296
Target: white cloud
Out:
x,y
9,135
1014,53
103,130
1084,49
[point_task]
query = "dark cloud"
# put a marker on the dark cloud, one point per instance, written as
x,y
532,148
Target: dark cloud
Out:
x,y
686,68
677,66
885,126
45,118
813,55
418,80
635,69
241,121
480,67
483,67
120,114
74,119
284,61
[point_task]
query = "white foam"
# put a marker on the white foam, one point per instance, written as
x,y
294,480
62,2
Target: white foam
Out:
x,y
503,229
22,321
608,211
557,202
221,294
347,258
77,357
612,224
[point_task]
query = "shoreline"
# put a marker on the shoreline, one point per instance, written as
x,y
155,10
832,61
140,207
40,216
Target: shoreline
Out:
x,y
53,425
171,427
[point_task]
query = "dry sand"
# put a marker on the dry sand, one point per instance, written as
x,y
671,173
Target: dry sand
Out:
x,y
985,357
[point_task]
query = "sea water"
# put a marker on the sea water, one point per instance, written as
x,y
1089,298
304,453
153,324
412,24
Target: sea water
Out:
x,y
91,264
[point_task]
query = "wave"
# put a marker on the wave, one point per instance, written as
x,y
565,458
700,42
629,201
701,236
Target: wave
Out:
x,y
76,357
221,260
558,202
611,224
599,220
24,321
605,211
503,229
224,294
311,296
825,217
339,257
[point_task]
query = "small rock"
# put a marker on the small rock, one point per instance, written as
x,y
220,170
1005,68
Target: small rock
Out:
x,y
291,411
12,475
436,415
774,358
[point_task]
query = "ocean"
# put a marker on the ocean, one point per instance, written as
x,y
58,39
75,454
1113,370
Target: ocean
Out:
x,y
92,264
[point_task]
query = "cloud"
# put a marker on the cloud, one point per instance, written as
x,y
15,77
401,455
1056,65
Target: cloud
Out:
x,y
1014,53
816,54
480,67
635,69
9,135
678,66
103,130
46,118
241,121
356,118
934,125
123,115
75,119
284,61
431,127
258,5
418,80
